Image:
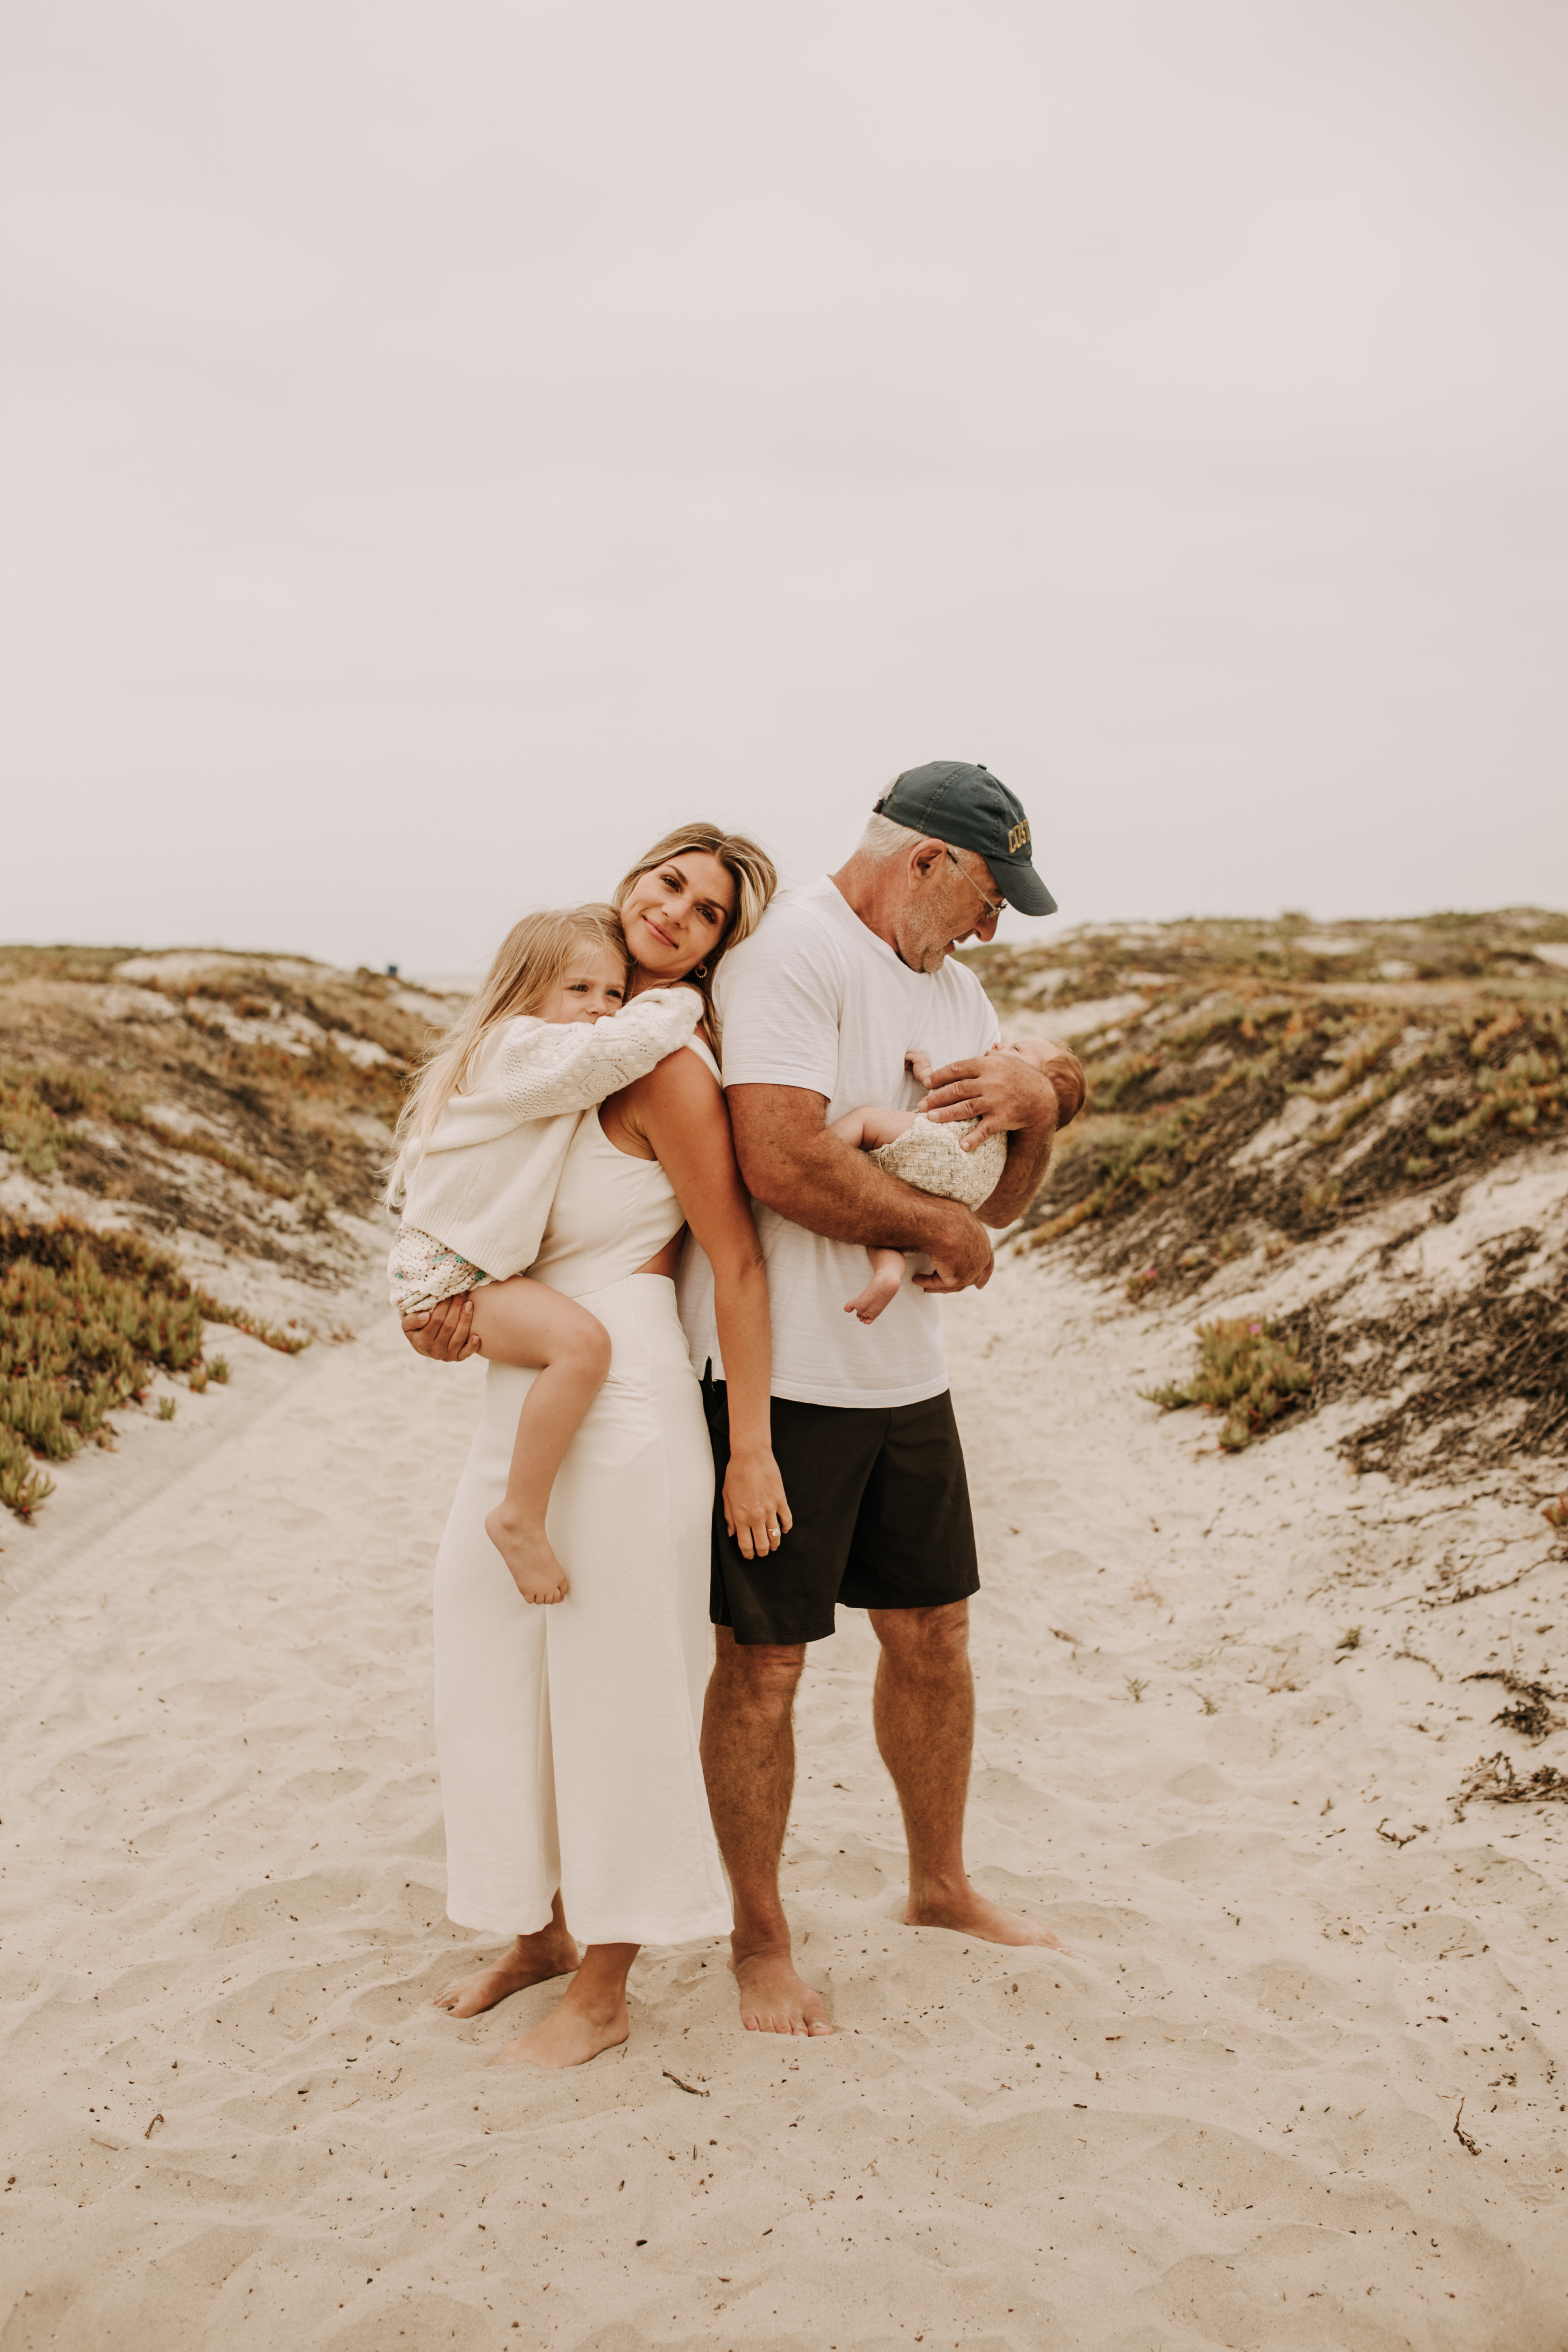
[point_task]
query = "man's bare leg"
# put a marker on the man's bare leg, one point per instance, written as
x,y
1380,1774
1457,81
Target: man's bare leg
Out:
x,y
590,2017
549,1953
924,1706
748,1757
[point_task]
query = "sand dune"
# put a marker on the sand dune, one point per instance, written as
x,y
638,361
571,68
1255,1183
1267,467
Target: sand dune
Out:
x,y
1225,2119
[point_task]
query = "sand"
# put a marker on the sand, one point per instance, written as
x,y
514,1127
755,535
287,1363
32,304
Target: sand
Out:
x,y
1227,2119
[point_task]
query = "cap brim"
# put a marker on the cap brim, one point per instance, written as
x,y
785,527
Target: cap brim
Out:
x,y
1021,887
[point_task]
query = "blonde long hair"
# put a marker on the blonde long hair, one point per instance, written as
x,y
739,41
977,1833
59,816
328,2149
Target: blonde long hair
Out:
x,y
750,869
528,967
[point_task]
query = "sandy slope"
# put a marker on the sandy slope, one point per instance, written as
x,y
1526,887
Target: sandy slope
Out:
x,y
1225,2120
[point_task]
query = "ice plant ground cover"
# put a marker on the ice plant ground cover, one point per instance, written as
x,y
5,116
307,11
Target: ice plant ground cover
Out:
x,y
1245,1370
85,1318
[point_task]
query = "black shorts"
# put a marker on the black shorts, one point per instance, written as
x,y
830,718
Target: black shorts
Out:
x,y
880,1505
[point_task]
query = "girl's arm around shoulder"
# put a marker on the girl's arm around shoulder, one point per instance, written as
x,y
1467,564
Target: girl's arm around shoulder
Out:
x,y
545,1067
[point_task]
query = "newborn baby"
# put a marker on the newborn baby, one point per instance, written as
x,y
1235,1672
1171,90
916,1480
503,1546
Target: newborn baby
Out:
x,y
928,1154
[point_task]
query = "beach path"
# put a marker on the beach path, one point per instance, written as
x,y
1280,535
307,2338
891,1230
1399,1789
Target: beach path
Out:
x,y
1227,2119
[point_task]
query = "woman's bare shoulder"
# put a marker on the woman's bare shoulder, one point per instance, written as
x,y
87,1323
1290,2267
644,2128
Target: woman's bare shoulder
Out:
x,y
686,1079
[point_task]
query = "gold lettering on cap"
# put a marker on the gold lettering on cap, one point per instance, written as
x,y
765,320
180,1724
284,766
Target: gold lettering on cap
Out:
x,y
1016,838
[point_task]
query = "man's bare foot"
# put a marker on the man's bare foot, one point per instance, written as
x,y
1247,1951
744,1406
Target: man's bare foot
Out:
x,y
773,1998
969,1914
570,2036
531,1959
535,1570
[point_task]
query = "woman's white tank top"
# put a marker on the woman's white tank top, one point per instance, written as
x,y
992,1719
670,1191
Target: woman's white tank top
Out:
x,y
611,1213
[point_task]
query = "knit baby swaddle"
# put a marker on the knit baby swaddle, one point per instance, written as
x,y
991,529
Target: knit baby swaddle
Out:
x,y
927,1155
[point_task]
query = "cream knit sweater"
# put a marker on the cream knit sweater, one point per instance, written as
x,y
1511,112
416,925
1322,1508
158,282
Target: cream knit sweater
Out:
x,y
483,1181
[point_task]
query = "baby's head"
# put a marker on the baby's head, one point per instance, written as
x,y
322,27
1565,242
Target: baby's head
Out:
x,y
1064,1070
567,964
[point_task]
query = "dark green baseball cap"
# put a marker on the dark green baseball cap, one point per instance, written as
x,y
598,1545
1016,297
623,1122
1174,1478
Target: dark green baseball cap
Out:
x,y
965,805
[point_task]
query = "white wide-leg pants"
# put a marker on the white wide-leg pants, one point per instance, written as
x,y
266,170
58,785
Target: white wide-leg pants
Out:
x,y
568,1734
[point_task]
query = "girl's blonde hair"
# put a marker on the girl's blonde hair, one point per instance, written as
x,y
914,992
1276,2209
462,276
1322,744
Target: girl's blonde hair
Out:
x,y
750,869
529,966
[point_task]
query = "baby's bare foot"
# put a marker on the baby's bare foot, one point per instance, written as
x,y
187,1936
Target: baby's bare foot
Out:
x,y
875,1297
535,1570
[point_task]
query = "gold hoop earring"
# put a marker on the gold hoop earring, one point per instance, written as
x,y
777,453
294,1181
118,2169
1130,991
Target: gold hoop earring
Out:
x,y
700,971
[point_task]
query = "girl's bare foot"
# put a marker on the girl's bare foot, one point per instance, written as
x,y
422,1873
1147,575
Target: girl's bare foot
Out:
x,y
531,1960
535,1570
574,2032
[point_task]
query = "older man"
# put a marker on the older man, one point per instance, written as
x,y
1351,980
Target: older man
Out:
x,y
819,1008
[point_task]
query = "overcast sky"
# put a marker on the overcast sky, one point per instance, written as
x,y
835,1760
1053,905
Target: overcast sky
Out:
x,y
444,445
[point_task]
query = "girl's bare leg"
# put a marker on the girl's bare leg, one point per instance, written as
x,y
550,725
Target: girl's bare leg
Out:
x,y
590,2016
531,1960
520,1322
887,1274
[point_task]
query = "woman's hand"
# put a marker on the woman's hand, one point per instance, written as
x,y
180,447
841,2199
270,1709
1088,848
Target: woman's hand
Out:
x,y
755,1511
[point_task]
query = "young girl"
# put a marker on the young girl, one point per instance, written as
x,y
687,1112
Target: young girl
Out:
x,y
930,1154
482,1140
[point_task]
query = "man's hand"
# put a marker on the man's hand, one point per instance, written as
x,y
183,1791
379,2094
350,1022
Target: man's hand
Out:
x,y
446,1332
1001,1091
963,1263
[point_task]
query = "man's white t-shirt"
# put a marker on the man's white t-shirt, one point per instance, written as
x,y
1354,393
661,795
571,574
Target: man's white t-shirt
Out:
x,y
815,999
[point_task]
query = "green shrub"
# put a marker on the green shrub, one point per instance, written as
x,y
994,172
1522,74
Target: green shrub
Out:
x,y
1338,1079
85,1317
22,1489
315,1202
1246,1371
271,1335
36,1106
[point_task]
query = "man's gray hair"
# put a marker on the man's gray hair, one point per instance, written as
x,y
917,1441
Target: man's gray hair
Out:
x,y
883,840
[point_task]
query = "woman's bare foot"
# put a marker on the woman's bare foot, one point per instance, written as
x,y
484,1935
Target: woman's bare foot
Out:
x,y
570,2036
535,1570
531,1960
590,2017
969,1914
775,1999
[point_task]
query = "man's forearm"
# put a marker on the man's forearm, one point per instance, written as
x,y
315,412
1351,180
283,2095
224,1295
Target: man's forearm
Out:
x,y
830,1189
1028,1157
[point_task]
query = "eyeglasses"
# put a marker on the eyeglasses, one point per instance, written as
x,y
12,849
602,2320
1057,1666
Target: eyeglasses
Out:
x,y
993,907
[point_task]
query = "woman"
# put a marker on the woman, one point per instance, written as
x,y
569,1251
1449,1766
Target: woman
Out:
x,y
568,1737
